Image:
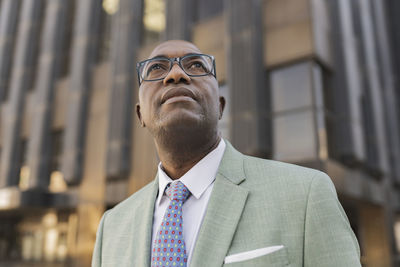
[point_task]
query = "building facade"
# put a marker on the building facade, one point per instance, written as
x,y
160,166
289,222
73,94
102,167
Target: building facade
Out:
x,y
310,82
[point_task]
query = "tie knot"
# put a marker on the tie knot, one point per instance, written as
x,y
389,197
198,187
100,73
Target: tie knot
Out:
x,y
177,191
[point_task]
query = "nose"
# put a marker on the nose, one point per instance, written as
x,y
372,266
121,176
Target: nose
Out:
x,y
176,75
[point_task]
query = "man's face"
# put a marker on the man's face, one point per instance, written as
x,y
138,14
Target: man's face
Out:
x,y
179,101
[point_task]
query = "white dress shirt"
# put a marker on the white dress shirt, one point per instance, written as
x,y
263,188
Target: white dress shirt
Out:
x,y
200,181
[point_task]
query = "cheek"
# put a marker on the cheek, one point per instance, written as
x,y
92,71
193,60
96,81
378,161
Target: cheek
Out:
x,y
147,103
212,101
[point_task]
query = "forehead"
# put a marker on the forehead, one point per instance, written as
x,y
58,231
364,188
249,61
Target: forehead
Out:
x,y
174,49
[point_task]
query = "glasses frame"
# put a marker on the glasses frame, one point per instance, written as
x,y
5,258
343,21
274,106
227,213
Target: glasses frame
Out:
x,y
173,60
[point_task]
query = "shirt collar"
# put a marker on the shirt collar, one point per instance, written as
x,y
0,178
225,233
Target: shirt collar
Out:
x,y
199,177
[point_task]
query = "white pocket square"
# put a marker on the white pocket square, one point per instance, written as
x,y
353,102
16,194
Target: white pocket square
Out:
x,y
251,254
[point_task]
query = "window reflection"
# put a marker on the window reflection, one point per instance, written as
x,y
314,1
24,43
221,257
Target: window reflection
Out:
x,y
153,20
24,178
49,237
27,246
22,166
291,87
299,129
57,182
50,244
65,53
294,136
37,245
110,6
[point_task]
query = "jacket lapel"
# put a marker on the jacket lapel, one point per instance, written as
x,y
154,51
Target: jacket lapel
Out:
x,y
224,209
143,226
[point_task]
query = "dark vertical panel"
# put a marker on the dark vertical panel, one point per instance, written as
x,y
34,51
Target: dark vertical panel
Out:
x,y
375,88
393,9
246,75
390,113
39,141
86,28
8,24
388,58
179,17
335,92
65,51
28,32
125,43
344,99
372,155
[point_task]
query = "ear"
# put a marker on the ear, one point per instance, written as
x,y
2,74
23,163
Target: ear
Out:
x,y
221,106
139,115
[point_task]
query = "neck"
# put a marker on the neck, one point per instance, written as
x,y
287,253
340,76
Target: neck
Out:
x,y
179,155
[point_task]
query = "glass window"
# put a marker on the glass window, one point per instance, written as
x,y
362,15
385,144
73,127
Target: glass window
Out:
x,y
8,242
57,182
34,67
104,30
294,136
22,167
153,20
67,39
291,87
56,149
38,237
372,160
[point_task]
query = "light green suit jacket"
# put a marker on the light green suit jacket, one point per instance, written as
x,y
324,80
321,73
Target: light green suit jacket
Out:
x,y
255,203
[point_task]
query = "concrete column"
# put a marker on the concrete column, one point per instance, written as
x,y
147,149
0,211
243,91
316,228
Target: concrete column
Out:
x,y
83,51
27,36
8,25
179,17
39,141
126,27
246,76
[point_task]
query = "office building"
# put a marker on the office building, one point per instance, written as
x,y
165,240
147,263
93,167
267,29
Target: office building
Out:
x,y
311,82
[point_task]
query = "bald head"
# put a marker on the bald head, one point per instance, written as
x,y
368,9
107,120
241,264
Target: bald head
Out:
x,y
179,105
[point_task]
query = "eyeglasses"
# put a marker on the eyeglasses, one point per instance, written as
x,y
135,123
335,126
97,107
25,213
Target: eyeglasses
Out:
x,y
194,65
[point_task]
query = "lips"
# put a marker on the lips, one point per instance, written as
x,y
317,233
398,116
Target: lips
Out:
x,y
177,92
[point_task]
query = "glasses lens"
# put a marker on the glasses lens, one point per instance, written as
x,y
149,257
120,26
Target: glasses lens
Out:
x,y
197,64
154,69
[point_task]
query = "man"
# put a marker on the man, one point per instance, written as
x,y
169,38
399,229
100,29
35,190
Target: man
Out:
x,y
210,205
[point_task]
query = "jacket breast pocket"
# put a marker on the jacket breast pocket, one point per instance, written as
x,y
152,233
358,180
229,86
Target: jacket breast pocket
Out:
x,y
276,258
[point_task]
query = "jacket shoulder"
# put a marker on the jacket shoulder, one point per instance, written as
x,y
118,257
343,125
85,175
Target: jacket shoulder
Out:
x,y
255,167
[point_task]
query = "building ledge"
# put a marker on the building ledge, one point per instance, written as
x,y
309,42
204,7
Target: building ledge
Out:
x,y
352,183
12,198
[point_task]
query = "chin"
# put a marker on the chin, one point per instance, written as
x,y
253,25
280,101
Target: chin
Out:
x,y
184,123
183,118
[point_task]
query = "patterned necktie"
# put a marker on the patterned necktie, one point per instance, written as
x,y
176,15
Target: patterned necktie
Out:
x,y
169,247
